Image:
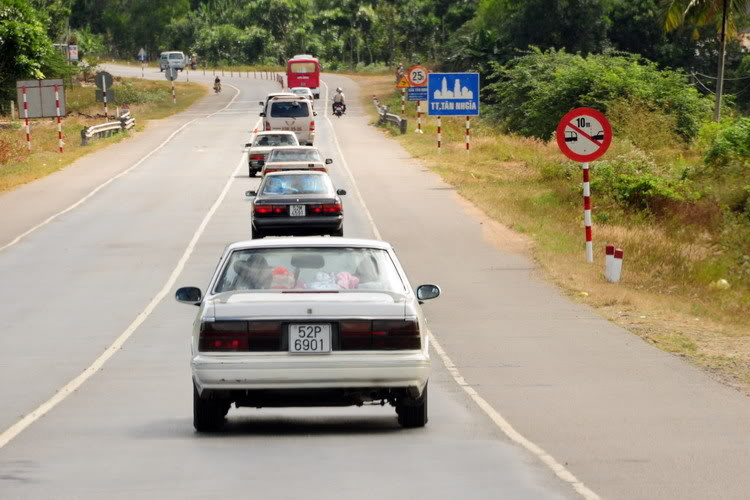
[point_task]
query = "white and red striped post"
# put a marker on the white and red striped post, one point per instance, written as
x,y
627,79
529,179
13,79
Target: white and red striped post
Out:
x,y
609,258
587,213
26,118
104,97
419,118
468,132
174,95
59,119
403,103
440,133
187,74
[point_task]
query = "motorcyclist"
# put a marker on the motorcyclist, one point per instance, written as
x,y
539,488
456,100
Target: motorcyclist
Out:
x,y
399,72
217,84
339,98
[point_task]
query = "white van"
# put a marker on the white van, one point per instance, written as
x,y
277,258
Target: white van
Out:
x,y
292,113
174,59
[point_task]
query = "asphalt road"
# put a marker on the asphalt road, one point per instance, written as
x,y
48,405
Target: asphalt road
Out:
x,y
625,419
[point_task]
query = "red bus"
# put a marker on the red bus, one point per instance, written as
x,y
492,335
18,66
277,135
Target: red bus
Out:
x,y
304,71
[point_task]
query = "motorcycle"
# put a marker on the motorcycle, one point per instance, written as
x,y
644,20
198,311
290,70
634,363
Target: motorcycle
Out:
x,y
338,109
217,88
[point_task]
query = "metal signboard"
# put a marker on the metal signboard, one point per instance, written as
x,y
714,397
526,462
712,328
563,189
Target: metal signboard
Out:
x,y
453,94
416,94
403,83
142,54
40,97
103,79
110,95
170,74
584,134
417,76
73,53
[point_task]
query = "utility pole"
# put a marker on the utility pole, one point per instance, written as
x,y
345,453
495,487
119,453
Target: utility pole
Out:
x,y
720,72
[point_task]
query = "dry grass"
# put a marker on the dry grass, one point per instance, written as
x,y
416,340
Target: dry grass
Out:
x,y
665,294
19,166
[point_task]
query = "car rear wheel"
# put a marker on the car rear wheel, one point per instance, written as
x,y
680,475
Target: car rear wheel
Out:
x,y
413,412
252,172
209,413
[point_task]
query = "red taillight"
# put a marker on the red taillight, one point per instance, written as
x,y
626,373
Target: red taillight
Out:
x,y
359,335
270,209
258,157
268,125
312,126
333,208
240,336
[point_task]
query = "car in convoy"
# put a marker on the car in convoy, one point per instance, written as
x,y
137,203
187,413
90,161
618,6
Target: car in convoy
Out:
x,y
172,59
292,113
295,158
297,203
263,143
309,322
303,92
303,70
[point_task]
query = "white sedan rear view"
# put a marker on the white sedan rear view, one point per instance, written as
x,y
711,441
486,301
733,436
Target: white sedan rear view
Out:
x,y
309,322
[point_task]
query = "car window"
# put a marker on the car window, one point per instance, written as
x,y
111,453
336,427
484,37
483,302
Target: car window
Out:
x,y
337,268
276,140
303,67
278,155
297,184
175,56
289,109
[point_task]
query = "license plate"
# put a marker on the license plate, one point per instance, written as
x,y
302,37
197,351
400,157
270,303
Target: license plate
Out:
x,y
296,210
309,338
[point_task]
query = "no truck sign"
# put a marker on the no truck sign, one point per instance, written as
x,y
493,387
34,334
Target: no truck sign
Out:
x,y
584,134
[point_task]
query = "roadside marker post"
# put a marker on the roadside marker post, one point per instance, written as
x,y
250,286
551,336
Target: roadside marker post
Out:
x,y
59,119
174,94
104,96
617,265
419,118
171,75
143,69
609,258
26,118
583,135
403,104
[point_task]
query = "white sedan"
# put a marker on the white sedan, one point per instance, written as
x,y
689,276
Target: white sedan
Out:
x,y
309,322
304,92
263,143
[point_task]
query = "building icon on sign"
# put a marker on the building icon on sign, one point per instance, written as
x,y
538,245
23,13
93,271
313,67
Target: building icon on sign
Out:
x,y
458,92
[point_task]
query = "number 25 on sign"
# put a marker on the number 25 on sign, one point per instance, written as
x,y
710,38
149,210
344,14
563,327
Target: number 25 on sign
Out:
x,y
583,135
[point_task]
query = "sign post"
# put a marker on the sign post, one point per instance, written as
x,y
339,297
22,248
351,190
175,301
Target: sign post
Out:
x,y
453,94
104,81
40,99
60,142
583,135
417,76
142,57
171,75
26,118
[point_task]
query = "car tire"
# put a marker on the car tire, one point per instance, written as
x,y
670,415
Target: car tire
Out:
x,y
209,413
413,412
252,172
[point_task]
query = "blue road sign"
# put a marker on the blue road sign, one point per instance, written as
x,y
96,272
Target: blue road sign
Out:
x,y
416,94
453,94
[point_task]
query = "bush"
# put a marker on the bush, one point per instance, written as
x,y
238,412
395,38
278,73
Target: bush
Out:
x,y
126,93
731,145
532,92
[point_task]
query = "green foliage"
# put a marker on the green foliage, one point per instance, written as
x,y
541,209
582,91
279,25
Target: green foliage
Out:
x,y
731,145
127,93
89,43
227,44
533,91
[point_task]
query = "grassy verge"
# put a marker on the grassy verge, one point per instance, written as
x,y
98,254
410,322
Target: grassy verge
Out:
x,y
148,100
666,296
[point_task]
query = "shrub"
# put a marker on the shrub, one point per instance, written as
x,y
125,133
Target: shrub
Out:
x,y
731,145
532,92
126,93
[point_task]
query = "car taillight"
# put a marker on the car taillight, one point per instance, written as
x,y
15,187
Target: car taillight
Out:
x,y
268,125
328,209
358,335
270,209
312,126
231,336
318,169
257,157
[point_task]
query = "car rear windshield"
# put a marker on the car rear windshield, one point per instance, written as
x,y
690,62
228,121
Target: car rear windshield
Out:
x,y
175,56
325,268
289,109
280,155
303,67
297,184
276,140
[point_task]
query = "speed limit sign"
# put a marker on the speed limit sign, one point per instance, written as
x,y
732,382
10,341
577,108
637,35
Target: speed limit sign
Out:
x,y
417,76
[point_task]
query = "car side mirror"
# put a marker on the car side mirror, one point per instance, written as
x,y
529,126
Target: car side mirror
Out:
x,y
189,295
315,113
341,192
329,161
427,292
251,194
262,114
248,144
261,103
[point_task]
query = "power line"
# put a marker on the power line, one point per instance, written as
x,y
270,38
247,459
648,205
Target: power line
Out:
x,y
725,79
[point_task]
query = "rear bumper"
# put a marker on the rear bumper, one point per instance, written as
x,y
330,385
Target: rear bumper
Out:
x,y
234,371
290,225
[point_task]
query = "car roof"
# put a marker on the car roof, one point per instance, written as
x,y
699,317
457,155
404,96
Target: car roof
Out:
x,y
296,147
276,132
309,241
296,172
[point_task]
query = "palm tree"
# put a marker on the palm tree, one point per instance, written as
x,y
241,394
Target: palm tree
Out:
x,y
703,12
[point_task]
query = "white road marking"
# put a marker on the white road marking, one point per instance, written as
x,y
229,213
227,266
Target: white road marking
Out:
x,y
505,426
349,172
112,179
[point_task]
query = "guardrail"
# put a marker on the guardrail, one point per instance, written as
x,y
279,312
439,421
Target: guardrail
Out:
x,y
124,122
386,117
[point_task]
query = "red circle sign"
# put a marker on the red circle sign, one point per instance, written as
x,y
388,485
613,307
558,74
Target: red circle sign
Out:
x,y
584,134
